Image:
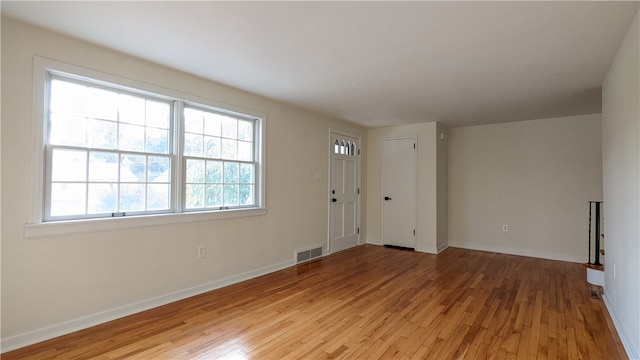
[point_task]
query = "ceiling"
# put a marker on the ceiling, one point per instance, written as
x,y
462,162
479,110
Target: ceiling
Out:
x,y
372,63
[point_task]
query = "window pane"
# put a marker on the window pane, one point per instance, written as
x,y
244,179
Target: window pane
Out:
x,y
245,150
67,98
214,195
112,150
212,147
214,172
194,196
131,137
103,167
246,195
230,172
69,165
103,198
157,141
68,199
102,134
229,150
159,169
158,196
67,130
133,168
158,114
132,197
231,195
212,124
132,109
195,171
192,145
102,104
193,121
245,130
229,127
247,173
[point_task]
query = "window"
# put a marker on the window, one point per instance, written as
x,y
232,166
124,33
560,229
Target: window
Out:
x,y
219,156
345,147
116,150
108,152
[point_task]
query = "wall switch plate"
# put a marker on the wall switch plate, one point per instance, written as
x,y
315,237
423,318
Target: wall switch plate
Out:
x,y
202,251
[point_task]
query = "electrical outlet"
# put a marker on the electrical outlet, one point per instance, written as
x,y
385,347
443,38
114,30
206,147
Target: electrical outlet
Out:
x,y
505,228
202,251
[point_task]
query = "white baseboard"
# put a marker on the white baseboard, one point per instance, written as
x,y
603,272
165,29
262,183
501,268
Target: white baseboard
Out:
x,y
373,241
630,347
442,248
520,252
50,332
426,249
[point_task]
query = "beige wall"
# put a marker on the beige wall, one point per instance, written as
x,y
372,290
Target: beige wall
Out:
x,y
428,218
57,284
621,149
534,176
442,191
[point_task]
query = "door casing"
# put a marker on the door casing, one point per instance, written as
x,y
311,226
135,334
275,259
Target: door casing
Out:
x,y
402,225
332,245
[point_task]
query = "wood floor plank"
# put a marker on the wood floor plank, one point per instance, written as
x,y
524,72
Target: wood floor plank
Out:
x,y
369,302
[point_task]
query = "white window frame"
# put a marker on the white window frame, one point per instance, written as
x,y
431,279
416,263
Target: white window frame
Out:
x,y
37,227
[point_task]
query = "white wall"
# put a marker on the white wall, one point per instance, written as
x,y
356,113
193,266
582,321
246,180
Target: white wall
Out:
x,y
534,176
442,195
621,156
427,215
57,284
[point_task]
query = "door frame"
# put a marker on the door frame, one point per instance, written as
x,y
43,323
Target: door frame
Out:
x,y
415,185
339,132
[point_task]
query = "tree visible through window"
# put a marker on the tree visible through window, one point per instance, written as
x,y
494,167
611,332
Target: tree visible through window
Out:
x,y
219,155
111,151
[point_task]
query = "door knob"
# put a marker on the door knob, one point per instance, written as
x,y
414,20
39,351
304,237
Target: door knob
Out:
x,y
386,198
334,200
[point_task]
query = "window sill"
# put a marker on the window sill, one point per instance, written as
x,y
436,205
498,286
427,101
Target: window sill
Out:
x,y
60,228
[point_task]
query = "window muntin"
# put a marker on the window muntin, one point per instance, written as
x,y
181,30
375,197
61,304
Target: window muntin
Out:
x,y
345,147
87,183
112,151
219,160
89,116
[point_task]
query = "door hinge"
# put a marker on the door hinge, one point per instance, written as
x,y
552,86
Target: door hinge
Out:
x,y
358,151
358,191
414,145
358,230
414,232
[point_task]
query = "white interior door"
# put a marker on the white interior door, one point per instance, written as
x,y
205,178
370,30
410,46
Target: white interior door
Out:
x,y
399,192
344,192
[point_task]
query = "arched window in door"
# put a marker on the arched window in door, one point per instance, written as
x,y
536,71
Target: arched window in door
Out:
x,y
345,147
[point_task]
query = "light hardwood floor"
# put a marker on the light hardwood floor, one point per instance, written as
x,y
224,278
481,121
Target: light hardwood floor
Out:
x,y
370,302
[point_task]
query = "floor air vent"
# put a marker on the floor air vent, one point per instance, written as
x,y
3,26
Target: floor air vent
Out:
x,y
309,254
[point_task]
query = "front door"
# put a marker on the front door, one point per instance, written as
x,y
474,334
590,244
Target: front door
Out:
x,y
344,192
399,192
